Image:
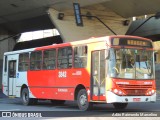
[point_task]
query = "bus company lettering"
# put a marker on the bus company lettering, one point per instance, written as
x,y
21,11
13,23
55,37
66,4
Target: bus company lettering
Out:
x,y
77,73
148,83
62,90
125,83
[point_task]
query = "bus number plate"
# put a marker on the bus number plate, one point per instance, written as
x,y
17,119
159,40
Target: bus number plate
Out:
x,y
136,99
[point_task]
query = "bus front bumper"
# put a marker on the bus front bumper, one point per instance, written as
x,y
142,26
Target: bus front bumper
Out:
x,y
113,98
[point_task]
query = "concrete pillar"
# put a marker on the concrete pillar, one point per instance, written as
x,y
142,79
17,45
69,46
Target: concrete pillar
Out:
x,y
5,46
92,27
156,46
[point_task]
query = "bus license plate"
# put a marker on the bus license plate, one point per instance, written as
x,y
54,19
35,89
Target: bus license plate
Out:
x,y
136,99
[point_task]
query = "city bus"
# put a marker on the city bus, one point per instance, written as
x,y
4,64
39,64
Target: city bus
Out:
x,y
111,69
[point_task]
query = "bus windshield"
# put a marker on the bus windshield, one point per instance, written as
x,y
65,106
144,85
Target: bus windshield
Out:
x,y
131,64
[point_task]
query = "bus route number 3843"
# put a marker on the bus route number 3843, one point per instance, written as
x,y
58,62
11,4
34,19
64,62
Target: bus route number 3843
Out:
x,y
62,74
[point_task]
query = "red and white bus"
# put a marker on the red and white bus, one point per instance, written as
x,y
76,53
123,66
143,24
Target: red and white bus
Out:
x,y
110,69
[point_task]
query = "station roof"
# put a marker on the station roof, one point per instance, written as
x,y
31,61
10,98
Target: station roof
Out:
x,y
37,43
22,15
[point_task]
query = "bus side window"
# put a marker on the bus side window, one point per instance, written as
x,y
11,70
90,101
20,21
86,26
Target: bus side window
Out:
x,y
5,64
65,57
12,71
23,64
49,59
80,57
36,60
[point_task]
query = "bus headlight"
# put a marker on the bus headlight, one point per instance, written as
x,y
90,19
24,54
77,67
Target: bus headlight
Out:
x,y
150,92
118,92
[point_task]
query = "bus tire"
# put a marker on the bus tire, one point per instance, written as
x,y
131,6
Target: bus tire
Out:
x,y
120,105
57,102
82,100
25,97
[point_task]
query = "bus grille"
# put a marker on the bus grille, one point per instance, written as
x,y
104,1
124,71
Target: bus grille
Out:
x,y
135,90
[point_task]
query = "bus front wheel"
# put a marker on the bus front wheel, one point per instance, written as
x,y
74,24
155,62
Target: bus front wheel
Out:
x,y
25,97
120,105
82,100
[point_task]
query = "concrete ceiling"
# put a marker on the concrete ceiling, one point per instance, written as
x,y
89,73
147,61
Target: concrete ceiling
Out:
x,y
21,10
130,8
12,10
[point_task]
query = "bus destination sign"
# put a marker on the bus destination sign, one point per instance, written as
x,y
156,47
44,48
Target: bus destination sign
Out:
x,y
131,42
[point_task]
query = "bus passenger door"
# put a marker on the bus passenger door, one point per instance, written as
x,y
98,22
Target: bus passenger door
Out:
x,y
11,77
98,76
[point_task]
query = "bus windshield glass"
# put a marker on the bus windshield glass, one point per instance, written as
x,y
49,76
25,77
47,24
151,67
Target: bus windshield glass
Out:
x,y
131,64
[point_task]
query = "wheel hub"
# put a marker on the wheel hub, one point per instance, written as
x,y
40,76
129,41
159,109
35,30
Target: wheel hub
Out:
x,y
25,97
83,100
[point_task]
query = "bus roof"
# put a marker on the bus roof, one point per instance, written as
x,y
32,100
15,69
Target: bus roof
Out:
x,y
80,42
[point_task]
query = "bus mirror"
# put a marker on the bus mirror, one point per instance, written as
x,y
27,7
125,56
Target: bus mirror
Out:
x,y
155,56
156,52
107,54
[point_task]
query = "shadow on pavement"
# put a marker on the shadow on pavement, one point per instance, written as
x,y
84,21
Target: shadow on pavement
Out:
x,y
2,95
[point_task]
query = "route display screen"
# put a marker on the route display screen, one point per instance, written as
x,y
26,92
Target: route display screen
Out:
x,y
131,42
